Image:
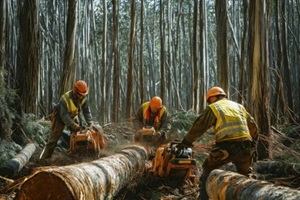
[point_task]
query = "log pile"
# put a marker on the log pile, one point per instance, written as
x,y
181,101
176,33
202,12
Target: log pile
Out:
x,y
99,179
226,185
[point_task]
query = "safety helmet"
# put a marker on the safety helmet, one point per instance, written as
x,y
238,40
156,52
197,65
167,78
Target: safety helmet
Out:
x,y
81,88
156,103
215,91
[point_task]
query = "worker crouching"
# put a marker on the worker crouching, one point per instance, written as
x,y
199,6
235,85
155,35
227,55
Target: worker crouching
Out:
x,y
235,135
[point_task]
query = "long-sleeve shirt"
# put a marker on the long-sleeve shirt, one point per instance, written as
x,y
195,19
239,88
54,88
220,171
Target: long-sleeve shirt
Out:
x,y
164,124
81,105
207,119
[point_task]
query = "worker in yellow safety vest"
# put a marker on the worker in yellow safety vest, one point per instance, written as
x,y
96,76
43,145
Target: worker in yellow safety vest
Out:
x,y
236,135
154,114
66,113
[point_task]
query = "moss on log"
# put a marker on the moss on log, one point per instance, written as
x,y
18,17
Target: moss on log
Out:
x,y
225,185
99,179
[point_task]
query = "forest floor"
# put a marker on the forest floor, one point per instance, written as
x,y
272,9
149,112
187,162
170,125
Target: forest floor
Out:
x,y
285,173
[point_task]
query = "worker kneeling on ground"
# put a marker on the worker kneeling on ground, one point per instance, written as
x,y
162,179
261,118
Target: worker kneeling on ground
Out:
x,y
235,135
152,114
64,114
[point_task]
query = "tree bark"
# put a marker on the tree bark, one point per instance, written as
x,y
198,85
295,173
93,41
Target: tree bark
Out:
x,y
116,67
259,87
29,56
2,33
18,162
222,46
224,185
100,179
69,67
130,76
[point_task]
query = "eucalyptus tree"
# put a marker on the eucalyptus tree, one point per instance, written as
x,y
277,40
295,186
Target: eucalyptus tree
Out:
x,y
202,54
130,77
259,87
28,65
2,34
141,64
104,97
116,66
222,45
69,65
162,50
195,60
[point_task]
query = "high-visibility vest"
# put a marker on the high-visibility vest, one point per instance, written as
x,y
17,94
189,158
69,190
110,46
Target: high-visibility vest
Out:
x,y
231,121
146,114
72,109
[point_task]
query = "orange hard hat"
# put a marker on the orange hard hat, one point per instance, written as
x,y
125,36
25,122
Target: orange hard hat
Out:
x,y
215,91
156,103
81,88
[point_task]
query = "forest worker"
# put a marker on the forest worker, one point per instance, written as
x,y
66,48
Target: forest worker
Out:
x,y
154,114
66,113
235,135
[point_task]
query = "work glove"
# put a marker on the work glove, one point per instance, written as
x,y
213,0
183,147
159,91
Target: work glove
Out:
x,y
75,127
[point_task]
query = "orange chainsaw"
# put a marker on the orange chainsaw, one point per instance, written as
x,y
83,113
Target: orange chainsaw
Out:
x,y
148,134
86,139
170,162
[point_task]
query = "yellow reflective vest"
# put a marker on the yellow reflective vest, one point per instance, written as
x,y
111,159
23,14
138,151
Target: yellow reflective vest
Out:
x,y
231,121
72,109
146,115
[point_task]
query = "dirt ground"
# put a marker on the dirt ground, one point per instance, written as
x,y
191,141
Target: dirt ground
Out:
x,y
120,135
117,136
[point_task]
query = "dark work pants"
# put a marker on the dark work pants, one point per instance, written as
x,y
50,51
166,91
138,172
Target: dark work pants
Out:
x,y
57,128
239,153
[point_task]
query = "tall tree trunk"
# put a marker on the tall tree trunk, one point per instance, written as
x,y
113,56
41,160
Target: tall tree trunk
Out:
x,y
162,51
116,73
104,95
2,34
202,53
241,84
29,54
130,63
285,68
276,93
195,61
141,66
69,67
259,72
222,45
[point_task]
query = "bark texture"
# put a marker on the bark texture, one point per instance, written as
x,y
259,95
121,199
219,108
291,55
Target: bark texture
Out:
x,y
100,179
222,185
18,162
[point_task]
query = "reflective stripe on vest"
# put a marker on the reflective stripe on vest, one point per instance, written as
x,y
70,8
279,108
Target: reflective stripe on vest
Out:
x,y
146,112
231,121
72,109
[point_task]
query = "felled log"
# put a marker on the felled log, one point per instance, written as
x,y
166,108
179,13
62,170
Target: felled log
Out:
x,y
18,162
99,179
278,168
226,185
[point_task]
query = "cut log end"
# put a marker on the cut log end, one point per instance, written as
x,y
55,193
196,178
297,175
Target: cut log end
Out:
x,y
49,187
